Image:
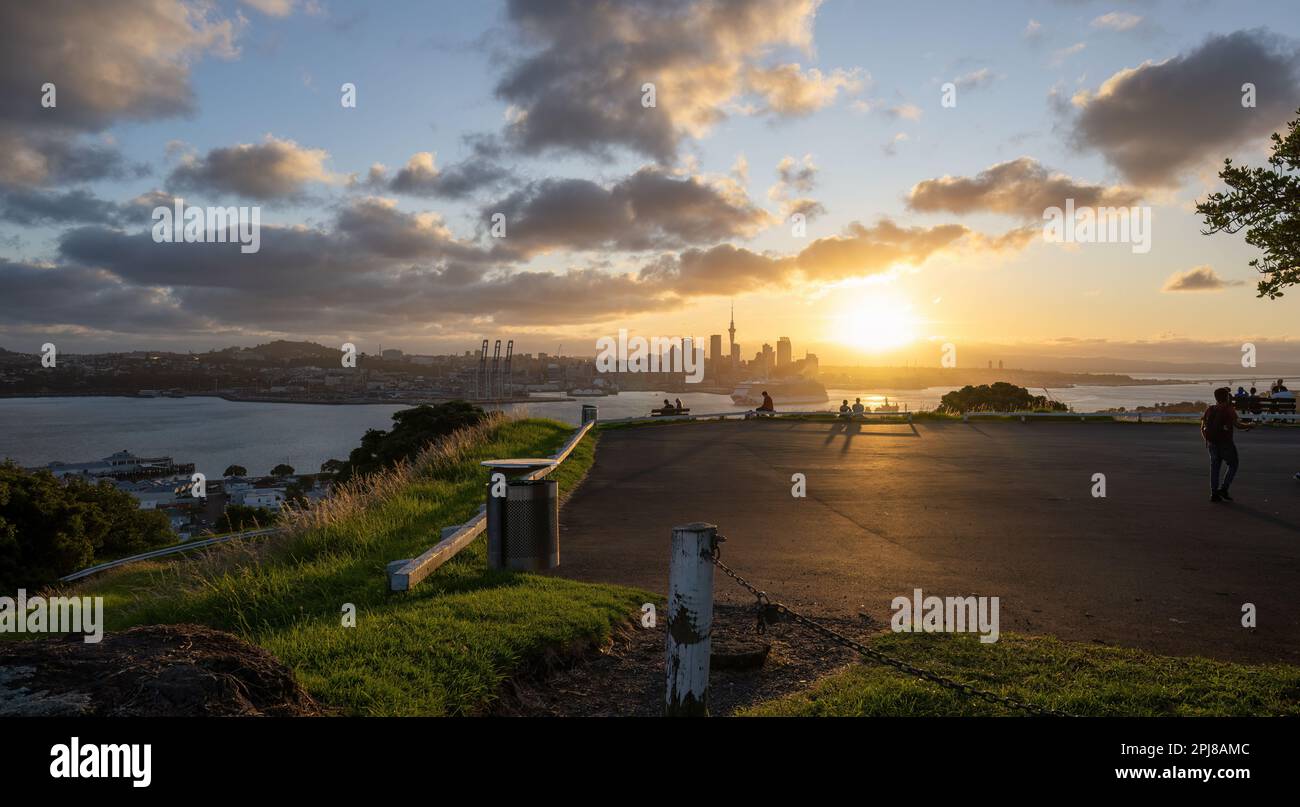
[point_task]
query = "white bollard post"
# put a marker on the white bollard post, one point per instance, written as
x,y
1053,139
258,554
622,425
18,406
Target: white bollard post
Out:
x,y
690,620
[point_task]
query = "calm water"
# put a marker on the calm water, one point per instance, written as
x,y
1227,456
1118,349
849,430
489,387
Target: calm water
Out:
x,y
214,433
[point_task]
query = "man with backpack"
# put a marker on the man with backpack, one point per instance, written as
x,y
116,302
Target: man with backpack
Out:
x,y
1217,425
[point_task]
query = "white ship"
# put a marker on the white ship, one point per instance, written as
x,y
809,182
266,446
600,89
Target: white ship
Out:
x,y
784,391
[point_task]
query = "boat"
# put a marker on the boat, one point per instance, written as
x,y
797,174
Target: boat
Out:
x,y
886,407
590,392
783,391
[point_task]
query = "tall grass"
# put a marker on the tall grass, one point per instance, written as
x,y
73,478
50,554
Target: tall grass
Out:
x,y
442,648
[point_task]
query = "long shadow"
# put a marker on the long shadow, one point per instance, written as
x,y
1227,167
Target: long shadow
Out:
x,y
838,427
1266,517
853,428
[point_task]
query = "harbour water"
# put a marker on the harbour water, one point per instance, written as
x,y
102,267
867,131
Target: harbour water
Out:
x,y
214,433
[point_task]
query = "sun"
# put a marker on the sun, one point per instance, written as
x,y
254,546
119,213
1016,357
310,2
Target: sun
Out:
x,y
874,322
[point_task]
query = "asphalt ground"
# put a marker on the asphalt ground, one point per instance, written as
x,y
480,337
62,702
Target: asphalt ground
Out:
x,y
1001,509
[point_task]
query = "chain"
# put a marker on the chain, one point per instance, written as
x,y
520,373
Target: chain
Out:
x,y
770,611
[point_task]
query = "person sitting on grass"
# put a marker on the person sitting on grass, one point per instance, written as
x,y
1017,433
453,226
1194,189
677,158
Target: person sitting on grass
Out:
x,y
767,405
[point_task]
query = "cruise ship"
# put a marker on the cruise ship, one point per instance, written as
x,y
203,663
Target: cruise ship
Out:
x,y
783,391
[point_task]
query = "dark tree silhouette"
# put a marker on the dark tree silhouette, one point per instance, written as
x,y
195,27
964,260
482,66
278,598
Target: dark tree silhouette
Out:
x,y
1265,202
282,470
236,470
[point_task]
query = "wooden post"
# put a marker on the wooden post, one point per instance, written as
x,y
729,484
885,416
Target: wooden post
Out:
x,y
690,620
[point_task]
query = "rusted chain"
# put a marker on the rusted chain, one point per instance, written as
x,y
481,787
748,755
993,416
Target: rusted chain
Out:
x,y
768,611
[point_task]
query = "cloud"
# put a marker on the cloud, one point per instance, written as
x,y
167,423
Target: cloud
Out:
x,y
36,295
794,179
1020,187
378,269
377,227
29,206
904,111
787,90
976,79
1059,56
124,61
1033,31
1160,119
1117,21
422,177
38,157
1199,278
272,169
650,209
271,8
579,87
891,148
860,251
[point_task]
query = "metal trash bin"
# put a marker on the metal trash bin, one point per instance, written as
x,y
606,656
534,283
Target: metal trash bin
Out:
x,y
523,526
588,413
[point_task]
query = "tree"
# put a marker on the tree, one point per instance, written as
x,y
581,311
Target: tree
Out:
x,y
332,466
997,397
413,430
1265,202
236,470
240,517
282,470
49,528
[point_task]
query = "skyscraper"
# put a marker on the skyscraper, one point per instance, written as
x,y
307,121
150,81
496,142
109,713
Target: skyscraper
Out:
x,y
716,359
731,334
783,353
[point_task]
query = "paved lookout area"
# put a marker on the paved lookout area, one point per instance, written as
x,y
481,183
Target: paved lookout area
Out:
x,y
988,508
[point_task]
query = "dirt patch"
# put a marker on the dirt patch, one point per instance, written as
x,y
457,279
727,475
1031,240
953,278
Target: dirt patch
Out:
x,y
627,676
148,671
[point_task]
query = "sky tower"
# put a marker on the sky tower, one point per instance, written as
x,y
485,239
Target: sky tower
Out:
x,y
731,331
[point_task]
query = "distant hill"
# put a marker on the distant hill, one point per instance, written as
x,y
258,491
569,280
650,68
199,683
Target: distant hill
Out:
x,y
283,350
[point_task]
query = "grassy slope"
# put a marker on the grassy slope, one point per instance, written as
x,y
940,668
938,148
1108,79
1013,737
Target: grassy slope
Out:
x,y
443,648
1077,678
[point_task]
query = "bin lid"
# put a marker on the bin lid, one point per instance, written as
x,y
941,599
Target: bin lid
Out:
x,y
519,464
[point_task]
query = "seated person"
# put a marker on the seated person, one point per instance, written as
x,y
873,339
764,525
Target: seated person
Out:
x,y
677,402
844,408
858,408
667,408
767,405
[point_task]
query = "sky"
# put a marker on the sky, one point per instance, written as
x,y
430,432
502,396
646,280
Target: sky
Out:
x,y
920,142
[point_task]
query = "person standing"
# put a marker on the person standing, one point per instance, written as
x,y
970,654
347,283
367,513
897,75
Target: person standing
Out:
x,y
1217,425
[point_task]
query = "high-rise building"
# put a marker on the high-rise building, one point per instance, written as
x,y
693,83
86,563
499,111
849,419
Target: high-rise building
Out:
x,y
731,332
715,353
783,356
766,358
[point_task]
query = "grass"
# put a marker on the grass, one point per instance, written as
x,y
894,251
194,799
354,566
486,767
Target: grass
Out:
x,y
443,648
1076,678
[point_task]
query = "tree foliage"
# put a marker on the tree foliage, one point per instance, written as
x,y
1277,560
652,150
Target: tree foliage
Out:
x,y
1265,203
236,470
413,429
49,528
997,397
